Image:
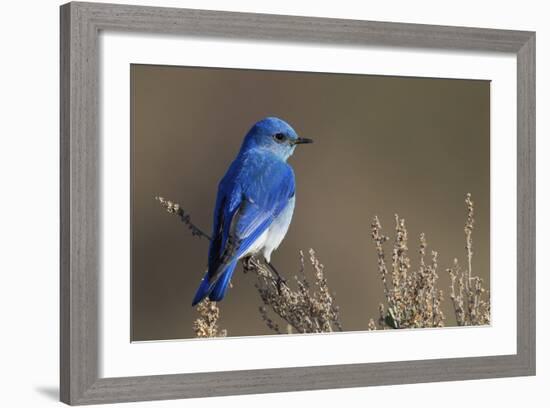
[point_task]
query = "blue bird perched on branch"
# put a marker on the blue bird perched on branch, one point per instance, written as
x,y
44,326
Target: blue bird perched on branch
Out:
x,y
254,205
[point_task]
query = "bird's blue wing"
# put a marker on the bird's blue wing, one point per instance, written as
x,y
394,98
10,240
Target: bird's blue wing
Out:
x,y
261,193
248,201
263,200
264,195
221,211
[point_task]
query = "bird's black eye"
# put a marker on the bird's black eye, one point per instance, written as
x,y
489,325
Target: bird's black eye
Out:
x,y
279,137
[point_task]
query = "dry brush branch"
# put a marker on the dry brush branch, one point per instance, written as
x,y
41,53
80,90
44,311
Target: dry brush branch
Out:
x,y
412,297
470,299
175,208
309,308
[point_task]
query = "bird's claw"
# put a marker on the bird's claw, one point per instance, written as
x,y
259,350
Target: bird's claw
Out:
x,y
247,264
280,283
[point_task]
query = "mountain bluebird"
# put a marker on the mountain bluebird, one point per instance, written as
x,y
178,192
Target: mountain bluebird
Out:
x,y
254,205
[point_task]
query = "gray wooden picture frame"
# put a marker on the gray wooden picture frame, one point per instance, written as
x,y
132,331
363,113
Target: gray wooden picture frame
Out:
x,y
80,235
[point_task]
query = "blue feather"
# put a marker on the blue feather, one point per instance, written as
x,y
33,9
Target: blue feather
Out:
x,y
220,287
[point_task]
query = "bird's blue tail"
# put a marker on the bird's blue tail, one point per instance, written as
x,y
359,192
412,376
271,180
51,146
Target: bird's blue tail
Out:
x,y
219,289
215,291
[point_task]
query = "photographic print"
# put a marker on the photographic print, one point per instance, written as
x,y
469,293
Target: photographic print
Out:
x,y
274,202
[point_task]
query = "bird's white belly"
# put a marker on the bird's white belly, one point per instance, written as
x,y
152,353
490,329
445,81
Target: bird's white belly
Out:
x,y
274,235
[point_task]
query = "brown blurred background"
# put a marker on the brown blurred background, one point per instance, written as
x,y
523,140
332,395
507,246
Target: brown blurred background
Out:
x,y
383,145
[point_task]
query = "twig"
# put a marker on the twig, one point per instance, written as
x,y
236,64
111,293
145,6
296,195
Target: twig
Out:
x,y
470,300
175,208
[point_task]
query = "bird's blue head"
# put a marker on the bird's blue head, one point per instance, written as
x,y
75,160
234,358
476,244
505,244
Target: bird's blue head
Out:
x,y
275,135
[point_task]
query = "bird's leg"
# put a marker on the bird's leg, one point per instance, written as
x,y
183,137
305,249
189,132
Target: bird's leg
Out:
x,y
275,271
280,280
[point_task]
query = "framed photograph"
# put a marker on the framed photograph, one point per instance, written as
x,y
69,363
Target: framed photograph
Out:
x,y
261,203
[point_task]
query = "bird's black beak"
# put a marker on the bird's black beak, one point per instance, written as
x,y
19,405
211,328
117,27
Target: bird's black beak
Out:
x,y
303,140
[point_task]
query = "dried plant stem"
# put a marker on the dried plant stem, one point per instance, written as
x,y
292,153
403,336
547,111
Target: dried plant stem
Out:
x,y
175,208
379,241
470,300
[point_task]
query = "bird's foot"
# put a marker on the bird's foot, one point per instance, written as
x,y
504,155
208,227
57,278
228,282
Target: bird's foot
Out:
x,y
280,282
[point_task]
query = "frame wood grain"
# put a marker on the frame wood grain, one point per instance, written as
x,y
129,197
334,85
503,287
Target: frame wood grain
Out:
x,y
80,235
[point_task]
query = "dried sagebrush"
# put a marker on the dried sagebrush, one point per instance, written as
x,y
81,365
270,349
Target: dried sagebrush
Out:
x,y
470,299
310,308
412,297
206,325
